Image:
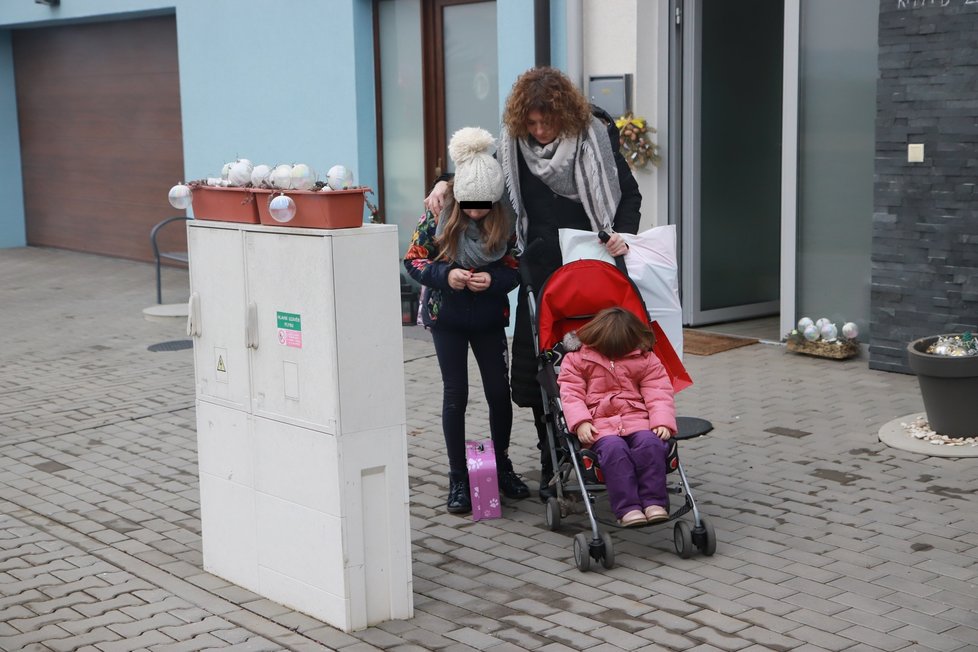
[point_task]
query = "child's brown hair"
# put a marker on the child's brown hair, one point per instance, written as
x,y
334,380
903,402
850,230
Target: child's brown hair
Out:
x,y
494,227
615,332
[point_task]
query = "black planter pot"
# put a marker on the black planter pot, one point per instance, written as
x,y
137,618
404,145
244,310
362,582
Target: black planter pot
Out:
x,y
949,387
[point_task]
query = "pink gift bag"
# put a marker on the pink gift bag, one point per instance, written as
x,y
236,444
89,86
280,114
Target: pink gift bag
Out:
x,y
483,486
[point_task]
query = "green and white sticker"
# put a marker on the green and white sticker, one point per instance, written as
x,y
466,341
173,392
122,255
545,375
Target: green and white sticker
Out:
x,y
289,329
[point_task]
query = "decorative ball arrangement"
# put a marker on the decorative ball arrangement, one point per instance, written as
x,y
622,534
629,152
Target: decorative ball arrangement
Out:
x,y
339,177
239,173
281,177
281,208
303,177
180,197
260,176
823,338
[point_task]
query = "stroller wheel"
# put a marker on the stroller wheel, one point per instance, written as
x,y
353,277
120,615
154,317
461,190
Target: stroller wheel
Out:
x,y
582,553
553,514
682,538
608,558
706,540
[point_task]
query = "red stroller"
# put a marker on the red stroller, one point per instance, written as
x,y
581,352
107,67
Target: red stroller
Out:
x,y
568,300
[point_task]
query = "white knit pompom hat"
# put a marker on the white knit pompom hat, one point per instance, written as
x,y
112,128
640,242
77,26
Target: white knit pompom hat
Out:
x,y
478,176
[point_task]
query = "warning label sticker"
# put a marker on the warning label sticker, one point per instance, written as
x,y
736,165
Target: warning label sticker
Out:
x,y
289,329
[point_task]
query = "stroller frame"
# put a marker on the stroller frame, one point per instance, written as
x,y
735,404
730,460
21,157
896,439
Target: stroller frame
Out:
x,y
564,450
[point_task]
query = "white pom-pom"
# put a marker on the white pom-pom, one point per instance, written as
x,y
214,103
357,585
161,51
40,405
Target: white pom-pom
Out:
x,y
469,142
571,341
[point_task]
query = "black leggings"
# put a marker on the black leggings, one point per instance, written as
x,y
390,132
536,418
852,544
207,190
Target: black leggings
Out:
x,y
489,348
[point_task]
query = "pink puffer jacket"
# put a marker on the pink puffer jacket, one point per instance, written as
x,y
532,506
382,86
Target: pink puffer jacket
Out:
x,y
618,397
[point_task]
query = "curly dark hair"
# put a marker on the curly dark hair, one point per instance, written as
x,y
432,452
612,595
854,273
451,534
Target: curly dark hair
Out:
x,y
550,92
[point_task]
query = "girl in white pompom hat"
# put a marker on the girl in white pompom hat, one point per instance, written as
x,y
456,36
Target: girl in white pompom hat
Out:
x,y
465,260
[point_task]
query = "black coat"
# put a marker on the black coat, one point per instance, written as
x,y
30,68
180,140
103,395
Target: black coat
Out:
x,y
546,213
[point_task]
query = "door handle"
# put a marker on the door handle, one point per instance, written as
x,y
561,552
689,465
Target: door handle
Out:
x,y
251,326
193,315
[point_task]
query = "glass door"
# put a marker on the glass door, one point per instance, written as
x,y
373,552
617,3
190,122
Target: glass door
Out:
x,y
728,60
437,72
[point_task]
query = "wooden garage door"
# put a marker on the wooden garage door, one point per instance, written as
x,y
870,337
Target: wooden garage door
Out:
x,y
100,132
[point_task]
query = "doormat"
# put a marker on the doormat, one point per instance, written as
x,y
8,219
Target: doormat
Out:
x,y
704,343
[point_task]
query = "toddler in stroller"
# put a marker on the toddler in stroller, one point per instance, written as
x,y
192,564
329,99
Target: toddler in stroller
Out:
x,y
570,299
618,399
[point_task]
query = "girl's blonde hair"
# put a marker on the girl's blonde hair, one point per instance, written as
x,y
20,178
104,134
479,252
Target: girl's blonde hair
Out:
x,y
615,332
494,227
554,95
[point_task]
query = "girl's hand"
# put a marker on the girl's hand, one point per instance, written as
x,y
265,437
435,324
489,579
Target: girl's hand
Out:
x,y
436,198
662,432
616,245
585,433
458,278
479,281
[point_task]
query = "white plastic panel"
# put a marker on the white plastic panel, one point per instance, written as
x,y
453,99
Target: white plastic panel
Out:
x,y
324,605
216,275
294,366
228,530
298,465
225,444
300,543
369,345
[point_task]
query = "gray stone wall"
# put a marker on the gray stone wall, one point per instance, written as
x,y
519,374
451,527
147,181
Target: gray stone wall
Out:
x,y
925,221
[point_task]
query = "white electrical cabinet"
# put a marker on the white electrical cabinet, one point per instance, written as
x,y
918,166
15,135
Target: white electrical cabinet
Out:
x,y
301,425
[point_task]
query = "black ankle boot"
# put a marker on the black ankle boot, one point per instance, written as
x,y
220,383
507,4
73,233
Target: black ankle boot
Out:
x,y
459,501
510,484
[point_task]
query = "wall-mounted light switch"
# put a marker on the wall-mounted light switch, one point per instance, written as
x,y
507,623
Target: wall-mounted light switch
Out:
x,y
915,153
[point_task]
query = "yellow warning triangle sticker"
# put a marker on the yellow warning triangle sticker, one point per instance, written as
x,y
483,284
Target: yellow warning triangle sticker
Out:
x,y
220,364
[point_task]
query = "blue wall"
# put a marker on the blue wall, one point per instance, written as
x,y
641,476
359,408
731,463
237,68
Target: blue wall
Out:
x,y
12,229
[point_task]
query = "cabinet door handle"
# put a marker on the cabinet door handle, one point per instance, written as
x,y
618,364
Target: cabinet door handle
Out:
x,y
193,315
251,326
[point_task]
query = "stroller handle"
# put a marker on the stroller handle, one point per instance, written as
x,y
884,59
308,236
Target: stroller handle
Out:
x,y
603,236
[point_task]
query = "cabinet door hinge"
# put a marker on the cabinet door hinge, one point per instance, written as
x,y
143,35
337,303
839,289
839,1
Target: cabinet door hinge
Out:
x,y
679,14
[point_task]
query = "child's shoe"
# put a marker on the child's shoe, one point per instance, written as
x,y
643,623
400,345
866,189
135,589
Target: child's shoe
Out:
x,y
632,518
459,501
656,514
510,484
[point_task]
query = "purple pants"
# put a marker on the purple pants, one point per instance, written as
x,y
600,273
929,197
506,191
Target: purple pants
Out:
x,y
634,469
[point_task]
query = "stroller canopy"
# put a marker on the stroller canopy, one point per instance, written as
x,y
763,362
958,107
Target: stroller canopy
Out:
x,y
578,291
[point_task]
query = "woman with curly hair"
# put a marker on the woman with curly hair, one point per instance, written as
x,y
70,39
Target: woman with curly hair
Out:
x,y
562,166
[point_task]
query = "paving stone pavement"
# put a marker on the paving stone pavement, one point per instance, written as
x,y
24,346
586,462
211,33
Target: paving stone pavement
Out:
x,y
828,539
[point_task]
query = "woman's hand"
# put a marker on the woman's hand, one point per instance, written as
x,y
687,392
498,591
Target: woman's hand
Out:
x,y
436,198
662,432
458,278
586,432
616,245
479,281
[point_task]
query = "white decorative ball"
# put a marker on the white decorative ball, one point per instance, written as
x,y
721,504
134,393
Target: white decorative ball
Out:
x,y
260,174
180,196
303,177
281,208
240,173
850,330
339,177
821,321
804,323
281,177
829,332
810,333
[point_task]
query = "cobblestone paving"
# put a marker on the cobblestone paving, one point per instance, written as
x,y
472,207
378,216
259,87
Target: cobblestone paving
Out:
x,y
828,540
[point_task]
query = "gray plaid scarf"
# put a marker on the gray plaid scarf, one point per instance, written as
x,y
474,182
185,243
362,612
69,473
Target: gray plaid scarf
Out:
x,y
582,169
